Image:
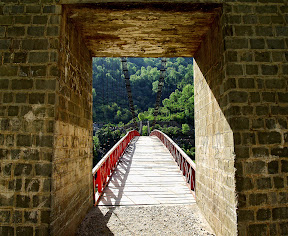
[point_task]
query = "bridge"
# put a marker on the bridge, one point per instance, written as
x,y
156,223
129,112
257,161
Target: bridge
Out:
x,y
144,171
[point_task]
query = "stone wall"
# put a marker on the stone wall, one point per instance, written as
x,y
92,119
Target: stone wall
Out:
x,y
45,117
72,163
252,95
256,43
28,51
215,184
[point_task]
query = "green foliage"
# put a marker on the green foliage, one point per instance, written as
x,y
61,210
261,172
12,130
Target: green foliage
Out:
x,y
185,128
178,107
144,130
110,103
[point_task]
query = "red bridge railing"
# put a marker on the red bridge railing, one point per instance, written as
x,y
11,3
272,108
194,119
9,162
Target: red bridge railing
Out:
x,y
102,172
186,165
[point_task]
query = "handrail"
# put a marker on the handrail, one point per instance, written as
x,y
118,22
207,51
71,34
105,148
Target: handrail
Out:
x,y
186,165
102,172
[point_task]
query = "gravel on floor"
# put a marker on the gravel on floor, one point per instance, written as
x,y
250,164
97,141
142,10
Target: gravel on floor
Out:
x,y
145,220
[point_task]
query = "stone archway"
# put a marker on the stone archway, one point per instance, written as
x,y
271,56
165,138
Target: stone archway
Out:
x,y
241,109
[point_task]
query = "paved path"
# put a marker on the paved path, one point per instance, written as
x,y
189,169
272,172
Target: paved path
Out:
x,y
146,175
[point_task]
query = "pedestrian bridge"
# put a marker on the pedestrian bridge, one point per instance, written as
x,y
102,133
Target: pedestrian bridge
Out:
x,y
144,170
146,174
145,185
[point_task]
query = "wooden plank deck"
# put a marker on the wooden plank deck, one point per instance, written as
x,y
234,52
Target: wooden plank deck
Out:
x,y
146,175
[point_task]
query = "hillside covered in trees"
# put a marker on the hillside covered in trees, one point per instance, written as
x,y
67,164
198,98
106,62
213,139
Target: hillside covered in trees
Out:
x,y
110,103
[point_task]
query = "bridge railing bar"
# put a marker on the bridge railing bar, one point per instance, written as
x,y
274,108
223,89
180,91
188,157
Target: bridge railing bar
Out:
x,y
186,165
102,172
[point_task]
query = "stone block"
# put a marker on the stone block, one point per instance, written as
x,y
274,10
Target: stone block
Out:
x,y
247,82
21,97
235,43
245,215
7,169
35,44
17,9
5,217
20,57
262,110
269,138
269,69
36,31
283,97
45,217
38,71
22,201
40,20
23,20
24,140
4,84
7,97
22,169
38,57
283,228
5,44
24,231
273,167
45,84
15,185
264,30
251,70
32,185
43,169
42,231
13,110
33,9
278,182
6,200
31,216
53,31
256,167
280,213
15,31
275,43
257,230
234,69
284,166
238,97
257,43
8,70
243,184
7,230
37,98
21,84
263,214
264,183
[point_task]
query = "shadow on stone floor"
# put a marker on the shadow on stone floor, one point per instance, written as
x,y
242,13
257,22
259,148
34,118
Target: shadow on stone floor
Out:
x,y
95,223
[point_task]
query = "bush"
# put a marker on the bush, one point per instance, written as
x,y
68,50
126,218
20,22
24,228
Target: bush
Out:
x,y
185,128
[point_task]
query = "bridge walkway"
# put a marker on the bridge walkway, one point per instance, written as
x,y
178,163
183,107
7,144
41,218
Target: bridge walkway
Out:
x,y
147,174
146,195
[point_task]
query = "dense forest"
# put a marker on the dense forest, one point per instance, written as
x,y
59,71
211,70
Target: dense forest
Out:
x,y
110,103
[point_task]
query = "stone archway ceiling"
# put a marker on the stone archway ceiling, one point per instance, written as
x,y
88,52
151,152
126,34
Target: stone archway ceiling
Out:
x,y
143,30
